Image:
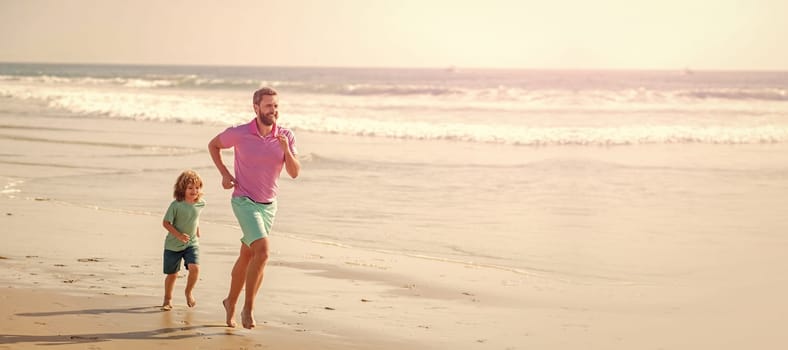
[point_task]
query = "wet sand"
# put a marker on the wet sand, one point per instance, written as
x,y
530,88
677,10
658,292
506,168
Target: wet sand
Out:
x,y
89,275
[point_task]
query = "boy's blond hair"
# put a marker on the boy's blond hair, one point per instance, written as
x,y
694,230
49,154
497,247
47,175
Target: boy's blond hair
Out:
x,y
188,177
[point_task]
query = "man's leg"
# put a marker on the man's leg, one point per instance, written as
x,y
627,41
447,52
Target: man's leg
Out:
x,y
254,278
238,278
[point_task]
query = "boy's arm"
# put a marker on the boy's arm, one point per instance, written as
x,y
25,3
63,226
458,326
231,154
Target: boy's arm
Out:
x,y
173,231
198,231
215,149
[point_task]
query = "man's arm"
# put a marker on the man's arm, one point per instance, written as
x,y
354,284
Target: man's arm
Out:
x,y
215,149
292,165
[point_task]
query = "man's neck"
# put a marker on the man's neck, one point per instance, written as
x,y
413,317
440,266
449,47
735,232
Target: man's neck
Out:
x,y
263,129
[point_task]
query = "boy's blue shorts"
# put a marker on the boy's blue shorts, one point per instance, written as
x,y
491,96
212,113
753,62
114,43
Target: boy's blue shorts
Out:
x,y
172,259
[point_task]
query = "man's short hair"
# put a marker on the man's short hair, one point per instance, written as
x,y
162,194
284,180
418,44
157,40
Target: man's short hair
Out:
x,y
263,91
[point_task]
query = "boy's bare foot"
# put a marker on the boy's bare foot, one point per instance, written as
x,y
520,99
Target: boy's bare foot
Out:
x,y
230,313
190,300
247,319
166,306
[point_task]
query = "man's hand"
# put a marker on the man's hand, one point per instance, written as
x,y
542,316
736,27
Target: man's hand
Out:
x,y
228,182
284,143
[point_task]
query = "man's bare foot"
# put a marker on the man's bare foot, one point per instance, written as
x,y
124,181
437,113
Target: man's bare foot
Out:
x,y
230,313
190,300
166,305
247,319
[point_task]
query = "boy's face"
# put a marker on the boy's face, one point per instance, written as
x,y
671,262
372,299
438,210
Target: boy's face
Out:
x,y
192,191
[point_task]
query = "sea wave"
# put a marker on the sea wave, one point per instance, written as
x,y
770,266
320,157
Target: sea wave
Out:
x,y
583,124
487,93
547,136
738,94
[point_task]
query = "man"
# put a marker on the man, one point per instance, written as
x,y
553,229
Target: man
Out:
x,y
261,150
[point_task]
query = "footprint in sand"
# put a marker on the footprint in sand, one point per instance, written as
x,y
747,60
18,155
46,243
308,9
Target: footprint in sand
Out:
x,y
81,337
89,259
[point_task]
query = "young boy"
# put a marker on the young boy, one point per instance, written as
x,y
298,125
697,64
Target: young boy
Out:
x,y
182,222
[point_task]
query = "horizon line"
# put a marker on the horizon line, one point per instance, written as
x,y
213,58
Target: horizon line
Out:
x,y
447,67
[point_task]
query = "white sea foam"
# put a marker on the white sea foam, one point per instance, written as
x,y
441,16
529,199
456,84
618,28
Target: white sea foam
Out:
x,y
11,187
468,111
543,136
561,95
128,104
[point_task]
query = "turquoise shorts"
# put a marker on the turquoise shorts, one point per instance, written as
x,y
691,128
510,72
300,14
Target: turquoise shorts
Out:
x,y
255,219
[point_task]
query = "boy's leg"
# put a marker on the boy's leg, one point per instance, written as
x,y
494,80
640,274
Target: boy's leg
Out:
x,y
238,278
171,266
194,274
191,257
169,285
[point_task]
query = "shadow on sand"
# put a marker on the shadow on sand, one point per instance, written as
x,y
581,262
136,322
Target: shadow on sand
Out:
x,y
166,333
63,339
132,310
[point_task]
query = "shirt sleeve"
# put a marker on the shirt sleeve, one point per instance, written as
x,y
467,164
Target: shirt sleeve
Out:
x,y
169,216
230,136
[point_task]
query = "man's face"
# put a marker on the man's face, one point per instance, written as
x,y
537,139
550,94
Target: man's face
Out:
x,y
268,109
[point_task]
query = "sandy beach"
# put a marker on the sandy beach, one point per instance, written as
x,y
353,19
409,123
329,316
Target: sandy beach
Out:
x,y
80,260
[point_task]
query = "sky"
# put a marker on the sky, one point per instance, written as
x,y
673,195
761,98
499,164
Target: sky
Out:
x,y
532,34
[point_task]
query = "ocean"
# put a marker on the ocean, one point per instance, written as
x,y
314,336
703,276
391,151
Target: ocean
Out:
x,y
466,166
514,107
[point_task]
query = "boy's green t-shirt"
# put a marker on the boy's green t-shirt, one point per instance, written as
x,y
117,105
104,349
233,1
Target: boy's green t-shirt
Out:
x,y
185,217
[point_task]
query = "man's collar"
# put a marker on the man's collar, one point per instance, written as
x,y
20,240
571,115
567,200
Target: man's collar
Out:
x,y
253,129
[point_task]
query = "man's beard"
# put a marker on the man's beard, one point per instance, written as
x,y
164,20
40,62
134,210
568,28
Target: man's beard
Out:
x,y
266,120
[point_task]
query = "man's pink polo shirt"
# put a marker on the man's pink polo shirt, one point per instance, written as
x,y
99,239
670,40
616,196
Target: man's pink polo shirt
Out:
x,y
258,160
